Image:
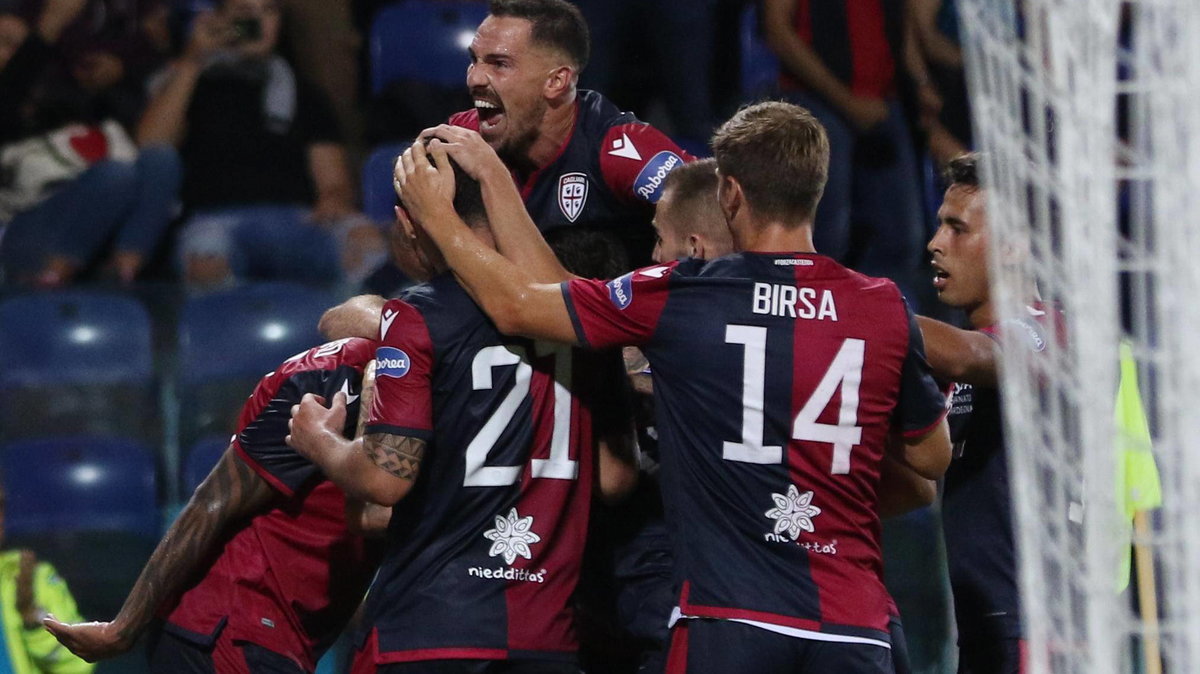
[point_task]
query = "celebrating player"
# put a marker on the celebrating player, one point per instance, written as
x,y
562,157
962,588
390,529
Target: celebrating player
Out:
x,y
484,444
770,485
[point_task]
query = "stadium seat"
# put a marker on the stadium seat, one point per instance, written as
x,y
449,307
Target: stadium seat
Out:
x,y
76,361
760,68
229,340
200,461
378,194
423,41
87,505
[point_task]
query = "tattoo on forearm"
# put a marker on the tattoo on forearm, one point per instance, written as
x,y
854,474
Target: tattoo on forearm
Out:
x,y
399,455
231,491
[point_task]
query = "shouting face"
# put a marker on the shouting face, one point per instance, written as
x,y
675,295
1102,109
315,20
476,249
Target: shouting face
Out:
x,y
507,80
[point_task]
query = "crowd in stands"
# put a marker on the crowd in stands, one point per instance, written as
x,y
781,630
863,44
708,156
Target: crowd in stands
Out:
x,y
203,145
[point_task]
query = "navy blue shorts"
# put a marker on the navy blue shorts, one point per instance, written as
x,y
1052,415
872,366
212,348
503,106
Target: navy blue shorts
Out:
x,y
702,646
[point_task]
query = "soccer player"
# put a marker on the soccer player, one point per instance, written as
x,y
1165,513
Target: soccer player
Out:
x,y
770,484
976,506
577,159
260,572
484,446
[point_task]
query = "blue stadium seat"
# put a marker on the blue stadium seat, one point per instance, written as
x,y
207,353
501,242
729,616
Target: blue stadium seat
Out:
x,y
760,68
79,483
74,337
229,340
88,506
76,361
247,331
200,461
378,194
423,40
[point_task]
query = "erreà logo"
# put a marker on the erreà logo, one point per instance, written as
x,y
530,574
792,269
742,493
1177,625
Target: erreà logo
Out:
x,y
620,291
572,194
648,183
391,362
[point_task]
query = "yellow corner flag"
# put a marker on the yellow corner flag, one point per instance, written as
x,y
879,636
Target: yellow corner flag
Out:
x,y
1138,486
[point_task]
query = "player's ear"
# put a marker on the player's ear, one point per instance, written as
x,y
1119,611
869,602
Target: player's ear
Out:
x,y
730,196
696,246
559,82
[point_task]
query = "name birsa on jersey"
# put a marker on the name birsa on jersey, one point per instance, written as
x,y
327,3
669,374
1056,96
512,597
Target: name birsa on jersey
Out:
x,y
794,302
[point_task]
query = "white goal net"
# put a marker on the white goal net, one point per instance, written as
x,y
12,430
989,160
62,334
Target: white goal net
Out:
x,y
1085,112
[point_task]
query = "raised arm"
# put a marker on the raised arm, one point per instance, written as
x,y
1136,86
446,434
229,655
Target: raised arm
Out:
x,y
230,493
164,120
517,236
957,355
506,292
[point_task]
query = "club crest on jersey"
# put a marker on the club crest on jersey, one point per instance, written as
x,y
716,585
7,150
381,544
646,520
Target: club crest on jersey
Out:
x,y
572,194
620,291
391,362
648,184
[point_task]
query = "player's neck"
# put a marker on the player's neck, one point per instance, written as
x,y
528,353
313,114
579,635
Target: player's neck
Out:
x,y
554,131
773,237
982,315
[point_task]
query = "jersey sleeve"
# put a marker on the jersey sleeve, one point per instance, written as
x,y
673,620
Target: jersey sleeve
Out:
x,y
922,404
620,312
261,440
403,402
635,159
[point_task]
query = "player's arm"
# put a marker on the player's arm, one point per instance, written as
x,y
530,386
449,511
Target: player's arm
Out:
x,y
902,490
957,355
376,467
517,237
232,492
927,454
356,317
616,435
367,519
506,293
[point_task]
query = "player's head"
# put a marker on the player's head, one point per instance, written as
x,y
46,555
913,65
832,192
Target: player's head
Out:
x,y
416,254
526,57
960,245
589,252
773,160
688,220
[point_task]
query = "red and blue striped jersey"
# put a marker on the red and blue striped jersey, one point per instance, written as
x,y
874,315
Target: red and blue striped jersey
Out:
x,y
484,552
777,381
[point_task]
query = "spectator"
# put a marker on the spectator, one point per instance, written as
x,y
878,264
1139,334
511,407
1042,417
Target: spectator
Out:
x,y
35,591
253,136
667,43
846,61
935,24
70,177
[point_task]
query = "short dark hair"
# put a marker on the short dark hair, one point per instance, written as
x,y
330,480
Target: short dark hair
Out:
x,y
779,154
556,24
963,171
589,252
468,195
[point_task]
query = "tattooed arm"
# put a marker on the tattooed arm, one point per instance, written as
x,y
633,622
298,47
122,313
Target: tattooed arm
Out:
x,y
230,493
377,467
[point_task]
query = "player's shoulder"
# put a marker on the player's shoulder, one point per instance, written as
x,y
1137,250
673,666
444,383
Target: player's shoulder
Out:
x,y
598,113
441,305
355,352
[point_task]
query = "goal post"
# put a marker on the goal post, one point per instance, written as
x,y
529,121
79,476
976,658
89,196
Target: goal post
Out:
x,y
1092,165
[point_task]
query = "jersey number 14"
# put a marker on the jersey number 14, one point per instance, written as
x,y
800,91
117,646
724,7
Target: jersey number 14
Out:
x,y
845,372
